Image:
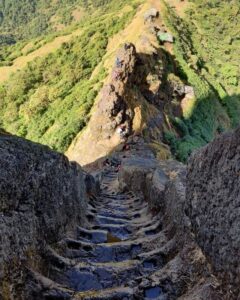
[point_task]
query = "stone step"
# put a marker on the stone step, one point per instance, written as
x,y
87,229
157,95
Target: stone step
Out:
x,y
95,236
120,293
136,222
40,287
85,277
82,251
128,215
119,206
123,232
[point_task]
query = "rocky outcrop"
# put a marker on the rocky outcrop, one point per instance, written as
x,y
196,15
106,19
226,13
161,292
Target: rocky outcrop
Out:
x,y
213,198
112,105
112,117
42,195
151,14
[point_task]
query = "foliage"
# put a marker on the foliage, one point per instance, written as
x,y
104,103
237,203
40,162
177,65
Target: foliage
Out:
x,y
206,48
49,100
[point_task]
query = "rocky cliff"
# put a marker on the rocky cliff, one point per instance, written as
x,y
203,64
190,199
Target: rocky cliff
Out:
x,y
213,199
42,195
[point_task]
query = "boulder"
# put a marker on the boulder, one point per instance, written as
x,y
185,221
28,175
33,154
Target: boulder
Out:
x,y
165,37
151,14
213,205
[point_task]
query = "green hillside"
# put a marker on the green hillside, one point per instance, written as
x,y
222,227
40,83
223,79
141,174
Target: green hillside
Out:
x,y
207,49
25,19
49,100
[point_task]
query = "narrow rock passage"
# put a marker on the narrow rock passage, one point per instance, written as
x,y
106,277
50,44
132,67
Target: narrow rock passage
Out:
x,y
120,254
108,259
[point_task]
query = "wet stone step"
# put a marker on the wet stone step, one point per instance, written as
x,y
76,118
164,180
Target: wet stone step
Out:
x,y
120,206
109,258
103,211
121,293
102,252
110,220
122,232
101,277
111,214
95,236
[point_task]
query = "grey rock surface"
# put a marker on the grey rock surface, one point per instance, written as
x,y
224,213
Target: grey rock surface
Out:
x,y
151,14
213,198
42,195
162,183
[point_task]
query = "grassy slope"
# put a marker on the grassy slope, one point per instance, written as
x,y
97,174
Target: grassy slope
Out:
x,y
48,101
209,63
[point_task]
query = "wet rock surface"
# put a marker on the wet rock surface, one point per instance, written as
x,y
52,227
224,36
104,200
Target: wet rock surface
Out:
x,y
126,249
213,198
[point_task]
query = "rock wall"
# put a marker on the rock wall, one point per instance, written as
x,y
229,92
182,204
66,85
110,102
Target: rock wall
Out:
x,y
213,197
42,195
163,186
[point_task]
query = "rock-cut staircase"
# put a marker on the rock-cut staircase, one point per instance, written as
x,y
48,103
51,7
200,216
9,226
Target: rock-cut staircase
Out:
x,y
117,256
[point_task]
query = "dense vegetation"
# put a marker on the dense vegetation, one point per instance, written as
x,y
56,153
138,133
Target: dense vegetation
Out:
x,y
207,48
39,21
49,100
30,18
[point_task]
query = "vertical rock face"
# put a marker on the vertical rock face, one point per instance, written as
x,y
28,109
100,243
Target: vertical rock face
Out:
x,y
111,113
213,197
42,196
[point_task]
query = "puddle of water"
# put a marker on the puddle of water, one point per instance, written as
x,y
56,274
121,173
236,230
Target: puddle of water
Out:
x,y
83,281
136,248
153,292
149,264
90,218
120,232
137,216
87,248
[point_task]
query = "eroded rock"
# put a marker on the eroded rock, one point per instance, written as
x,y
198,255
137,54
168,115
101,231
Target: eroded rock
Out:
x,y
213,198
42,195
